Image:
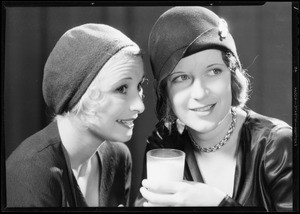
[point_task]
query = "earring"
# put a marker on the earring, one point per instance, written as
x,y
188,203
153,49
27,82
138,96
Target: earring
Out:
x,y
169,119
180,126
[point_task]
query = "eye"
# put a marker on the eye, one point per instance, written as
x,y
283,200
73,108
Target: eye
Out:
x,y
215,71
181,78
122,89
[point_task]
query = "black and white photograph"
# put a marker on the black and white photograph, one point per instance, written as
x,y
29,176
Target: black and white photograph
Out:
x,y
149,106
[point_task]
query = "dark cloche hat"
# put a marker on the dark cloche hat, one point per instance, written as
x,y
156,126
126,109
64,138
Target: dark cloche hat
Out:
x,y
182,31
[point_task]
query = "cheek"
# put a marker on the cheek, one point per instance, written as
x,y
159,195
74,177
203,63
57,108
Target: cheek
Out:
x,y
221,88
179,100
109,109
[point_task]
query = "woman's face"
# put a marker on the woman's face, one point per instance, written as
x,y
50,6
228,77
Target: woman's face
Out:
x,y
199,90
120,86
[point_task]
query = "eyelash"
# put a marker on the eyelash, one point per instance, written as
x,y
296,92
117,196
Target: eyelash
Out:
x,y
216,70
123,89
180,78
212,72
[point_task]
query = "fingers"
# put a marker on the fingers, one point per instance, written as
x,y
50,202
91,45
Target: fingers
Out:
x,y
148,204
156,199
165,187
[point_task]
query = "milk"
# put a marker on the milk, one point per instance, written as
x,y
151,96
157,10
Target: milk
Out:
x,y
165,164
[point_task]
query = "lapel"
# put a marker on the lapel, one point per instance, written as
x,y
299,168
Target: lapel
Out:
x,y
71,194
192,172
107,164
79,200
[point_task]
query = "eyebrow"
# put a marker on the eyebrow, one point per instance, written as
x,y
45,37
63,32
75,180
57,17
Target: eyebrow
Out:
x,y
128,78
176,72
211,65
113,83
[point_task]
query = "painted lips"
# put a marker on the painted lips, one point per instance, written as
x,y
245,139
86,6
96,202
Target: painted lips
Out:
x,y
204,109
127,123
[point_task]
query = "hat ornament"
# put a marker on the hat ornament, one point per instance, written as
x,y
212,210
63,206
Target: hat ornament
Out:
x,y
223,29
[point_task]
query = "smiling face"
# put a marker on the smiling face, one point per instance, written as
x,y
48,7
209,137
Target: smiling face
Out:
x,y
115,99
199,90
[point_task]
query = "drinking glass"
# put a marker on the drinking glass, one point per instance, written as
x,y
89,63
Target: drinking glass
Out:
x,y
165,164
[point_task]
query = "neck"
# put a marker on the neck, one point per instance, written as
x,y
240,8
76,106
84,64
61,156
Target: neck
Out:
x,y
80,144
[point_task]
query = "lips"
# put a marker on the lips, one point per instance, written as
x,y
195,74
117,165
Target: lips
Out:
x,y
203,109
127,123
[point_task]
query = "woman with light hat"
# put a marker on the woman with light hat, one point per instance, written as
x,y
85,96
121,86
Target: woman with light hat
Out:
x,y
92,83
234,156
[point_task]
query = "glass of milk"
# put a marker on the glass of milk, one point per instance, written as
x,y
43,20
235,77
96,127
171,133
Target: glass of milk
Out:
x,y
165,164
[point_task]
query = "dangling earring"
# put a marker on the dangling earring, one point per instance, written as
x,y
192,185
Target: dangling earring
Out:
x,y
180,126
169,118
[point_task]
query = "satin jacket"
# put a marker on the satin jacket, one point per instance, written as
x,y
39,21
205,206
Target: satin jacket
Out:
x,y
38,174
264,167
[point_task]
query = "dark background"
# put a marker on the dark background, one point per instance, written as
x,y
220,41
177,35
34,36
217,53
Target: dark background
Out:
x,y
263,36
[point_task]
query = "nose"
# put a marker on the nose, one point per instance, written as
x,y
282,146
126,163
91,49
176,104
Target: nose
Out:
x,y
137,104
198,89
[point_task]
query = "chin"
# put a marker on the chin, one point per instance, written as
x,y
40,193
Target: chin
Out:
x,y
202,126
123,138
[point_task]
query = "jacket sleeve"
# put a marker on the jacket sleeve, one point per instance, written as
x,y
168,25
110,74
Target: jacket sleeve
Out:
x,y
278,169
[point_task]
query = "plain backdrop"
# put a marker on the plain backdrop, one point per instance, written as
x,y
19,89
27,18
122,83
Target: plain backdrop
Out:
x,y
263,36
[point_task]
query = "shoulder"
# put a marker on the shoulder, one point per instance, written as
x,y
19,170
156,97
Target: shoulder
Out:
x,y
268,126
115,150
36,154
46,138
271,135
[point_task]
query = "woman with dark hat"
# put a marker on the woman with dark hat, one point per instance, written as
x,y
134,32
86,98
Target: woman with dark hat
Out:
x,y
234,156
92,82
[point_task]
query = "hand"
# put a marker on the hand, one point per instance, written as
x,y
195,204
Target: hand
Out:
x,y
185,193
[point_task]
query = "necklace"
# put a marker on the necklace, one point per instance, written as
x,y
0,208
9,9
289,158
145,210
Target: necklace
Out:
x,y
223,141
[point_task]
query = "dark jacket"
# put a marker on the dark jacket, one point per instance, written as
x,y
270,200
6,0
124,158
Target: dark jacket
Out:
x,y
264,168
38,175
